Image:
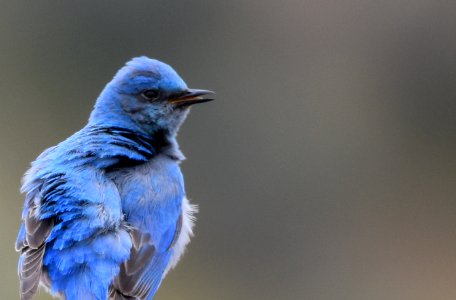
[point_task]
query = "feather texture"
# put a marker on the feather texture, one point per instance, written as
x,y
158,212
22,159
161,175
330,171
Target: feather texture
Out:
x,y
105,213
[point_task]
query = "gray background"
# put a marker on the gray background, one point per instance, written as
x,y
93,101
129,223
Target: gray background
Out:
x,y
326,169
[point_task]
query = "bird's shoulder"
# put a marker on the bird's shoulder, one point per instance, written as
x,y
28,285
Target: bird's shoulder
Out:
x,y
104,148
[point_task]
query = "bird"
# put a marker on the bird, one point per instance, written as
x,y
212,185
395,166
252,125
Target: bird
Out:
x,y
106,214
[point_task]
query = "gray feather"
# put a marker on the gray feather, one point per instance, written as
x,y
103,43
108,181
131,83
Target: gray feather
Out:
x,y
30,271
32,251
133,269
137,275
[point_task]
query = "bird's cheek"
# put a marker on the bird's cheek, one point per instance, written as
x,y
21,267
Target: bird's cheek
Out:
x,y
131,105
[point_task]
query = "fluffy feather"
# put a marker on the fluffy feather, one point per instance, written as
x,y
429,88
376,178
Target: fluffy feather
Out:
x,y
105,213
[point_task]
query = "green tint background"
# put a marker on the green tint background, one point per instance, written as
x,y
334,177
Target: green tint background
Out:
x,y
325,170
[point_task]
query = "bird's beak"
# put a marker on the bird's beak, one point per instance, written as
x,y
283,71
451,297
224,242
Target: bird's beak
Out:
x,y
190,97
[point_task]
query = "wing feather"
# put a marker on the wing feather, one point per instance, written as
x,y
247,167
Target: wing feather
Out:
x,y
31,246
141,274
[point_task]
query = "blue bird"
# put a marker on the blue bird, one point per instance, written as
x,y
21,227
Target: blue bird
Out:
x,y
106,214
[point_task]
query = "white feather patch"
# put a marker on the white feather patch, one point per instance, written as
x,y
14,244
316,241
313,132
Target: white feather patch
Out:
x,y
188,221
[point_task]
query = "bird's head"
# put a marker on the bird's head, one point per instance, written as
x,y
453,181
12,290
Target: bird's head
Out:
x,y
149,94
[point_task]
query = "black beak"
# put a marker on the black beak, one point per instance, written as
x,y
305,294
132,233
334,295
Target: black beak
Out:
x,y
190,97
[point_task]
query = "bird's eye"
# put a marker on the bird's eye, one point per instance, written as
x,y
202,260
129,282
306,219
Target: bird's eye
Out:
x,y
150,94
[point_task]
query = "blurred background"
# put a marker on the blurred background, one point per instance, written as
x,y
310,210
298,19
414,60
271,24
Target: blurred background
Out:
x,y
326,168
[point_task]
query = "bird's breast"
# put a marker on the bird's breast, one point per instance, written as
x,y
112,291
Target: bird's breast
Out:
x,y
151,194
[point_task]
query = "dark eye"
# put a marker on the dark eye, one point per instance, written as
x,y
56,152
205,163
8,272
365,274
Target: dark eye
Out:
x,y
150,94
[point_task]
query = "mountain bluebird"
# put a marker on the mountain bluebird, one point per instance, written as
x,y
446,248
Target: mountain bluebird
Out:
x,y
105,213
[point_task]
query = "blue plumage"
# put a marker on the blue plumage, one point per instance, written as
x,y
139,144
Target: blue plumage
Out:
x,y
105,213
